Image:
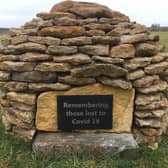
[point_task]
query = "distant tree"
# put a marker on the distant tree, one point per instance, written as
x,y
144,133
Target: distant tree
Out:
x,y
155,27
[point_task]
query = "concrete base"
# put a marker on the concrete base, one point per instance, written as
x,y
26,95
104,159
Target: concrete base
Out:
x,y
97,144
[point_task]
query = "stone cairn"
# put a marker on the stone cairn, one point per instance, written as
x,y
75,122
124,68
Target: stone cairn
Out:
x,y
77,44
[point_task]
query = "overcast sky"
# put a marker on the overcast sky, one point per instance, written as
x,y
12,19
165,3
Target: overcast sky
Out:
x,y
14,13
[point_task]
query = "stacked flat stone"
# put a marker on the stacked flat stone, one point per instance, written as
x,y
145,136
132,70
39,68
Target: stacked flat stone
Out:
x,y
79,44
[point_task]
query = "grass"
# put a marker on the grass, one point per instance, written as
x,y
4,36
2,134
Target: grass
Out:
x,y
16,153
163,39
2,36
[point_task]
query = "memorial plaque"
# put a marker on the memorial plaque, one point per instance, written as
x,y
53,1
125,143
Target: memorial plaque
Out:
x,y
84,112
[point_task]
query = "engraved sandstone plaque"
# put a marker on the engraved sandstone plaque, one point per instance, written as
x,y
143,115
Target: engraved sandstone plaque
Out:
x,y
121,113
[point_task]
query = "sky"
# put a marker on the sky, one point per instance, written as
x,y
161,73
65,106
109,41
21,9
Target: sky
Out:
x,y
14,13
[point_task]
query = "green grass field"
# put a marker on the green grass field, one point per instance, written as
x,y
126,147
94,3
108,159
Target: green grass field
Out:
x,y
15,153
163,39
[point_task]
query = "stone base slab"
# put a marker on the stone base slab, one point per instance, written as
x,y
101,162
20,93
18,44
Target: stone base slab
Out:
x,y
96,144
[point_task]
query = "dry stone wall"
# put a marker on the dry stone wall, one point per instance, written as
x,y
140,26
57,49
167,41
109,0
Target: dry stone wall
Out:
x,y
79,44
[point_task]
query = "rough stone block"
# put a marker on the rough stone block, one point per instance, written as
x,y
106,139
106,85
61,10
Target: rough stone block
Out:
x,y
98,70
127,39
27,134
33,24
4,76
13,120
108,60
137,62
62,50
22,107
8,58
157,86
77,41
65,21
6,123
103,27
94,33
153,105
150,113
30,32
144,100
152,123
44,40
16,66
138,28
76,81
80,8
48,16
15,86
105,40
145,49
24,116
119,83
123,51
29,99
52,67
19,39
34,57
151,131
26,47
87,21
46,87
76,59
118,31
159,57
158,68
35,76
135,74
145,81
95,50
62,31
